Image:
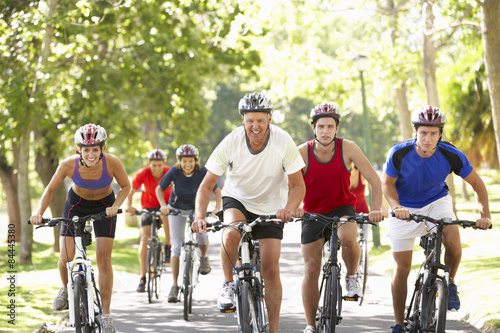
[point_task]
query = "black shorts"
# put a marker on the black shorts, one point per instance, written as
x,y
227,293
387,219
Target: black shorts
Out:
x,y
77,206
272,230
314,230
147,219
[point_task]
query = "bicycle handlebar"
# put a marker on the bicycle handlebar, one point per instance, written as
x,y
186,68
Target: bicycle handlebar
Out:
x,y
443,221
358,218
51,222
261,219
154,212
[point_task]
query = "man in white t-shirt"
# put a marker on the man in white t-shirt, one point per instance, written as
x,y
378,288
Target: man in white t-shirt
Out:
x,y
264,177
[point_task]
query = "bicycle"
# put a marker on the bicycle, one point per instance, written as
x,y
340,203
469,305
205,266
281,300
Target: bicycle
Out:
x,y
84,297
154,266
429,302
189,263
363,265
249,284
329,315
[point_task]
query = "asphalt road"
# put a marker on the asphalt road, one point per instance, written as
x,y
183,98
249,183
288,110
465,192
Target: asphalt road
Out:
x,y
132,312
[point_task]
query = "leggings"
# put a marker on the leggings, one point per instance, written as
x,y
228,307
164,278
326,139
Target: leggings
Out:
x,y
177,225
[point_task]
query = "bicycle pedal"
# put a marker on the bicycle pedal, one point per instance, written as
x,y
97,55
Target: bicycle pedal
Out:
x,y
227,310
351,299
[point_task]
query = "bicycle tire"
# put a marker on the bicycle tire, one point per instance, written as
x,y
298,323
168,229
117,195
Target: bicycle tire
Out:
x,y
80,306
434,307
362,271
412,317
244,311
157,270
324,320
150,272
188,271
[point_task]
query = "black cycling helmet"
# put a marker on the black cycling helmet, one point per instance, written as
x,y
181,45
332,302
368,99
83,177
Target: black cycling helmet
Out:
x,y
428,116
324,110
255,102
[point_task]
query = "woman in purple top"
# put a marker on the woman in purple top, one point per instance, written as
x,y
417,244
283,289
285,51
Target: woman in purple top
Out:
x,y
92,172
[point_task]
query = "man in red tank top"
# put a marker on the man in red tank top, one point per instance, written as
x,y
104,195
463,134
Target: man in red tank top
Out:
x,y
327,174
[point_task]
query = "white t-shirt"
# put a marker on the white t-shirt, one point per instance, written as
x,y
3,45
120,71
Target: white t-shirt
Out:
x,y
258,180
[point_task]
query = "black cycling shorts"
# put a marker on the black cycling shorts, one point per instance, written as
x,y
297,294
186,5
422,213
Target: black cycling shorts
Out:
x,y
314,230
147,219
272,230
77,206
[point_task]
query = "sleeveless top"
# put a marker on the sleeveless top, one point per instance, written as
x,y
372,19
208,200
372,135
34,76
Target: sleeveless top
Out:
x,y
359,191
102,182
327,184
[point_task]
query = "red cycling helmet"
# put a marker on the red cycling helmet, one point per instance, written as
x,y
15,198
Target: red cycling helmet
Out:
x,y
429,116
324,110
157,155
90,135
187,151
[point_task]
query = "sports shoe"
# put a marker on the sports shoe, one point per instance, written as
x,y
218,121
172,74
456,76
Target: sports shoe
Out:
x,y
204,265
173,295
167,254
61,301
310,329
453,299
107,324
225,301
352,286
142,285
397,329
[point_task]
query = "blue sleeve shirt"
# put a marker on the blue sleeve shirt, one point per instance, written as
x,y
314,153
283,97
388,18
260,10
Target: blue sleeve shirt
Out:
x,y
184,187
421,181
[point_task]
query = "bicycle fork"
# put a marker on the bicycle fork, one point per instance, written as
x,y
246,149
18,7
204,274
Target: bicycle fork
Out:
x,y
80,267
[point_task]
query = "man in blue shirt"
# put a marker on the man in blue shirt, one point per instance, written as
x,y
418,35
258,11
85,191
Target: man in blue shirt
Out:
x,y
414,182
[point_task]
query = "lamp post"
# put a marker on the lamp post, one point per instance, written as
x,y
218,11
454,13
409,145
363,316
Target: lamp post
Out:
x,y
362,63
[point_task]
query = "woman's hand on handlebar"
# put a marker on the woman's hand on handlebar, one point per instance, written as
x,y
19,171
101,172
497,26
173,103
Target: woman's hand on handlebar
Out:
x,y
132,210
111,211
36,219
165,210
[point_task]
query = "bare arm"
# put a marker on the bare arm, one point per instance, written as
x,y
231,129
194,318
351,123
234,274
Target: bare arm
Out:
x,y
218,200
391,194
296,193
161,199
122,179
481,194
130,208
202,201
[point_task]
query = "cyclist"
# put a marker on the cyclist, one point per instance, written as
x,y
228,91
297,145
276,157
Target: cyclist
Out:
x,y
92,172
263,173
149,177
414,182
328,163
185,177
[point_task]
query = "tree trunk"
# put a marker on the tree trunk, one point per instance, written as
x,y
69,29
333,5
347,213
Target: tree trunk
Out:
x,y
9,184
24,199
429,64
404,112
46,163
490,26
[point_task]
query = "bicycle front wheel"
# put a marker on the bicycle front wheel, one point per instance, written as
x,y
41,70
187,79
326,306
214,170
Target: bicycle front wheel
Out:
x,y
81,306
362,271
150,269
247,312
434,307
157,269
188,289
412,317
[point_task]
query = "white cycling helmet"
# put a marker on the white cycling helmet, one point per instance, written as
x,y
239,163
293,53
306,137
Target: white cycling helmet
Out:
x,y
157,155
90,135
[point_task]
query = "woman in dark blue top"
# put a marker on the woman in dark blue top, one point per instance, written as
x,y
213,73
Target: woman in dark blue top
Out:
x,y
185,178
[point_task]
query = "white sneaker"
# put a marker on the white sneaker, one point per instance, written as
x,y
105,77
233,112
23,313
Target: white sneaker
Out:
x,y
61,301
225,301
352,286
310,329
107,324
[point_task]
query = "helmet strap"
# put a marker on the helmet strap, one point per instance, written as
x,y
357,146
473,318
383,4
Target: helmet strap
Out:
x,y
329,143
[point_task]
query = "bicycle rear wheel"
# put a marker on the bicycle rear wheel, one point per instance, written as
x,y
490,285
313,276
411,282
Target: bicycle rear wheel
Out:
x,y
81,306
188,289
412,317
150,269
434,307
362,271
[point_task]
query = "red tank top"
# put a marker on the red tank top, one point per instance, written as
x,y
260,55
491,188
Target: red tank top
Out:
x,y
359,192
327,184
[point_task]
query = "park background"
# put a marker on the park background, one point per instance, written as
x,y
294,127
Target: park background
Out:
x,y
158,74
